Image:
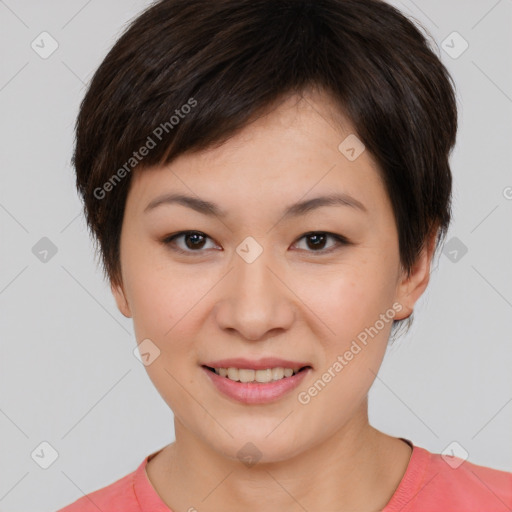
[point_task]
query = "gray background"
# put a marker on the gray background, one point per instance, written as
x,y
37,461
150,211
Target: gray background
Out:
x,y
67,369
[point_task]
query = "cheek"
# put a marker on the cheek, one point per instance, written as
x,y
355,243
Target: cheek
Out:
x,y
153,292
156,300
152,309
166,308
162,310
349,298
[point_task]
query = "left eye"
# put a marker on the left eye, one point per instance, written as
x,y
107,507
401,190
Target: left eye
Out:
x,y
317,239
197,241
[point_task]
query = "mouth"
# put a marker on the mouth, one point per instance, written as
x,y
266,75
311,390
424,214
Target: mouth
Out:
x,y
256,376
250,386
252,381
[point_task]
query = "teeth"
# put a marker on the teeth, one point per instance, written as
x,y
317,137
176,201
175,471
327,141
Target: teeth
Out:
x,y
247,375
277,373
263,375
233,373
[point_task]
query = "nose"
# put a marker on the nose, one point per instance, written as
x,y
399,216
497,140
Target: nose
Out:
x,y
255,301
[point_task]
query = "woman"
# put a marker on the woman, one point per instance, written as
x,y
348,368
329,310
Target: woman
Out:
x,y
268,182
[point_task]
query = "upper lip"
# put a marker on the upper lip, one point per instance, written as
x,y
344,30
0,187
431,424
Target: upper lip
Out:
x,y
259,364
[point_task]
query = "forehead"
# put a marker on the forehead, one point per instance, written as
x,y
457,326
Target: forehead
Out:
x,y
293,151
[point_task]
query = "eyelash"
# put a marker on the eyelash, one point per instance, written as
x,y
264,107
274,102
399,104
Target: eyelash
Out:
x,y
341,241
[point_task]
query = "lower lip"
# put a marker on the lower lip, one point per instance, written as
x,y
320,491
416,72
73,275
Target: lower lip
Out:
x,y
255,392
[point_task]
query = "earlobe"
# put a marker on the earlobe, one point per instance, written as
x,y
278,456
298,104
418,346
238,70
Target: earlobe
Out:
x,y
121,301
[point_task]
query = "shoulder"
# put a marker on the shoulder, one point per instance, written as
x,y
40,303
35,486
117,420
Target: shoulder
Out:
x,y
108,498
462,485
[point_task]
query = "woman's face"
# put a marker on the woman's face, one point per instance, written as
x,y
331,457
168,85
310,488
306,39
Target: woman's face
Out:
x,y
251,285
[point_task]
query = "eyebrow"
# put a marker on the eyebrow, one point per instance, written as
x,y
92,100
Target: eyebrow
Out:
x,y
294,210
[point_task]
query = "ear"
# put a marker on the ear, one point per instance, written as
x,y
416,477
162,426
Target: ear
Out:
x,y
120,297
411,287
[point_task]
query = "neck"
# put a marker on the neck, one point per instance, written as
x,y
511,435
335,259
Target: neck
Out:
x,y
357,467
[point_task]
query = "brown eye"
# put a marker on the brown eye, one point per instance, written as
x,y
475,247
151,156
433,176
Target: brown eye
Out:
x,y
194,241
316,241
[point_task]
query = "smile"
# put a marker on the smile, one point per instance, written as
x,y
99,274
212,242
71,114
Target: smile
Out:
x,y
242,385
250,375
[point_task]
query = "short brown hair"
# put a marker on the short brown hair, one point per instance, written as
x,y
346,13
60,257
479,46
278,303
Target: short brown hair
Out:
x,y
229,60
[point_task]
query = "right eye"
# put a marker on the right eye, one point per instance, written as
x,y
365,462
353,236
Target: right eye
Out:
x,y
194,241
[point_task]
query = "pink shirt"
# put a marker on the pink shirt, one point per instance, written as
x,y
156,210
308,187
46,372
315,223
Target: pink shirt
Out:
x,y
429,485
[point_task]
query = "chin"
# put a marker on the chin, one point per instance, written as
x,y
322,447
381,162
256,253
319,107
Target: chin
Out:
x,y
256,445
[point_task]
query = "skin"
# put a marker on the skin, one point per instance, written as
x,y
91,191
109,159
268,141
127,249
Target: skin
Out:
x,y
291,302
